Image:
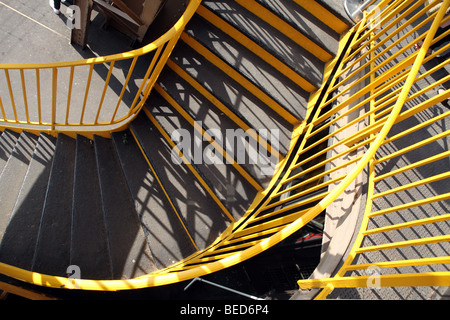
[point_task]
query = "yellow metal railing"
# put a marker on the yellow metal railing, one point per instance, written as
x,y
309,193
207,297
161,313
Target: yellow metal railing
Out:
x,y
405,222
348,122
42,96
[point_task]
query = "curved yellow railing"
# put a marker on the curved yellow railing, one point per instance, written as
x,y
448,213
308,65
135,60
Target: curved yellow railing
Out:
x,y
328,152
373,266
73,107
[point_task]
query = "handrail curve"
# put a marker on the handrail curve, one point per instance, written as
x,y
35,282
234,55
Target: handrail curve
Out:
x,y
97,122
368,274
176,273
164,279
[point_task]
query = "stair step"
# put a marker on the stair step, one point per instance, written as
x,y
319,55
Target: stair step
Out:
x,y
13,175
213,140
306,82
269,37
236,99
319,9
52,255
235,192
8,140
259,72
130,254
215,69
19,241
201,119
89,250
121,208
274,42
167,238
315,28
182,84
178,156
202,217
301,38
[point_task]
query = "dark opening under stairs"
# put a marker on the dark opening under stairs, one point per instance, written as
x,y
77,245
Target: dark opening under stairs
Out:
x,y
127,206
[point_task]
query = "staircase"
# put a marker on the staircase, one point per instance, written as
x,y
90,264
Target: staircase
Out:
x,y
124,207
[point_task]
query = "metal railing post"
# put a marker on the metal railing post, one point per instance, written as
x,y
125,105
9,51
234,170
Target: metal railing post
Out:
x,y
54,95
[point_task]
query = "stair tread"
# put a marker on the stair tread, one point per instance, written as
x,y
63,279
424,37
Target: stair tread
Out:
x,y
203,218
13,175
19,241
229,186
232,94
304,21
110,206
89,250
167,240
228,105
337,8
130,254
330,17
202,109
232,87
266,77
280,45
214,121
52,255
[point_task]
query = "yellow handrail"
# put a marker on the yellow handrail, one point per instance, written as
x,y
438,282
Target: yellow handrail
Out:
x,y
342,279
64,116
291,204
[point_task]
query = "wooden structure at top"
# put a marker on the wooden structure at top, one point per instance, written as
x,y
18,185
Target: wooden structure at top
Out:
x,y
131,17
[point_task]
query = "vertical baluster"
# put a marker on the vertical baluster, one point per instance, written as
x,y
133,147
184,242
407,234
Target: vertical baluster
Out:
x,y
38,93
11,95
54,95
130,72
147,75
111,67
24,90
3,110
157,69
88,86
69,94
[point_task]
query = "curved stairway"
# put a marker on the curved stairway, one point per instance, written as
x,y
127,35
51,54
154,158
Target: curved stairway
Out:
x,y
124,207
